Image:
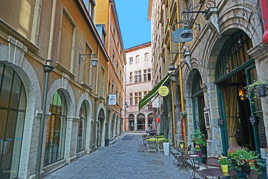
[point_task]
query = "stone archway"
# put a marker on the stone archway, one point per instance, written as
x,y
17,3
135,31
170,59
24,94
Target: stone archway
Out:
x,y
66,91
140,122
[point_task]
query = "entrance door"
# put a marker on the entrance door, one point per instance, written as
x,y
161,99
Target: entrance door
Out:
x,y
234,72
141,122
198,103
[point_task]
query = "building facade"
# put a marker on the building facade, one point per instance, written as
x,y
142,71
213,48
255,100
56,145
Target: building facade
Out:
x,y
30,33
138,84
225,56
106,20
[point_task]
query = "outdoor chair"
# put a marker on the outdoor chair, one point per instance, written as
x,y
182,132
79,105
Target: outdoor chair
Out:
x,y
160,147
151,146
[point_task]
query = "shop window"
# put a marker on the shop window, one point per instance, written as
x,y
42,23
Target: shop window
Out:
x,y
56,129
12,114
81,137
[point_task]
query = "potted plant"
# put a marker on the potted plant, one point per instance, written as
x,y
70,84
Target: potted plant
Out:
x,y
258,87
198,139
243,161
225,162
181,145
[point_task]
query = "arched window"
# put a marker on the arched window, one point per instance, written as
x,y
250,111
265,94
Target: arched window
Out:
x,y
81,137
12,116
56,130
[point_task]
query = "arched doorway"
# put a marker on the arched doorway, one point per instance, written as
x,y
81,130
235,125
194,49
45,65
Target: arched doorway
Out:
x,y
82,125
198,105
131,122
13,102
141,122
56,129
150,120
100,127
234,71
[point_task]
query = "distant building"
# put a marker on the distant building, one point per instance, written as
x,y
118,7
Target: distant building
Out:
x,y
138,83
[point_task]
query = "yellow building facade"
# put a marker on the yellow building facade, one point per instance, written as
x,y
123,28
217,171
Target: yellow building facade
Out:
x,y
106,17
75,118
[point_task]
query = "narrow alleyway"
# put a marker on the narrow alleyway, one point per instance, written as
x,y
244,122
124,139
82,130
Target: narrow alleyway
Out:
x,y
125,159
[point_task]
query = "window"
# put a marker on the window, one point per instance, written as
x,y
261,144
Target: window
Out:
x,y
131,98
101,32
145,92
116,96
140,96
130,76
67,32
56,130
81,137
137,59
13,101
146,57
131,60
90,5
145,75
139,76
149,74
136,99
136,76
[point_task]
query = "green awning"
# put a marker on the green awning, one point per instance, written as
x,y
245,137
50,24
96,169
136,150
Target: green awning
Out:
x,y
153,92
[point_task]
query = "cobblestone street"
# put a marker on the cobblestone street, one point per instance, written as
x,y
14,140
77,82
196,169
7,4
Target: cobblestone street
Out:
x,y
126,159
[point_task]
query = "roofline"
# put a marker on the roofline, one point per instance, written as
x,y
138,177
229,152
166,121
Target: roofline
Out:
x,y
93,27
117,21
118,25
137,47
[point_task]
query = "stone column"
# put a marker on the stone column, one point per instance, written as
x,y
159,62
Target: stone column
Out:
x,y
214,142
135,122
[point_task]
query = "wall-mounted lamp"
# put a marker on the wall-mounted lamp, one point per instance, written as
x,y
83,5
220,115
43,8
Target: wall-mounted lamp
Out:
x,y
93,60
241,93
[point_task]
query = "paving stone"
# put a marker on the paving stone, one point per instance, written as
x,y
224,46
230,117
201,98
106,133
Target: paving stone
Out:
x,y
123,160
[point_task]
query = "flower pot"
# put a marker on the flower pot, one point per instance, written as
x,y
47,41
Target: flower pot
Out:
x,y
224,169
181,145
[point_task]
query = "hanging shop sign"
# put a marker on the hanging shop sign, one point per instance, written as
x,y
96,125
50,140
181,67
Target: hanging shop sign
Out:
x,y
156,103
163,91
112,99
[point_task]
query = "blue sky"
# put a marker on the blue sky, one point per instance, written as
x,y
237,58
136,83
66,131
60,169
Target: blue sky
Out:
x,y
135,28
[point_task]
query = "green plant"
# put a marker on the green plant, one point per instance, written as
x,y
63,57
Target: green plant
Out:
x,y
198,138
244,159
223,160
255,88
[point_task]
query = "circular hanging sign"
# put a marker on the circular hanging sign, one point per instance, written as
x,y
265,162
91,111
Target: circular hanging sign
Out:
x,y
163,91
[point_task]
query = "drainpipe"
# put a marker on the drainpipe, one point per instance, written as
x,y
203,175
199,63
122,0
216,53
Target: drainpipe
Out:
x,y
264,9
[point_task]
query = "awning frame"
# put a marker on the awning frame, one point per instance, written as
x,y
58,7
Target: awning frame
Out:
x,y
153,93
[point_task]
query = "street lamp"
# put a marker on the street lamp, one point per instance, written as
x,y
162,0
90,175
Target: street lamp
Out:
x,y
48,67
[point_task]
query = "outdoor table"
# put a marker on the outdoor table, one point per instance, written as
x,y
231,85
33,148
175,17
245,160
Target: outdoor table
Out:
x,y
192,158
214,172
